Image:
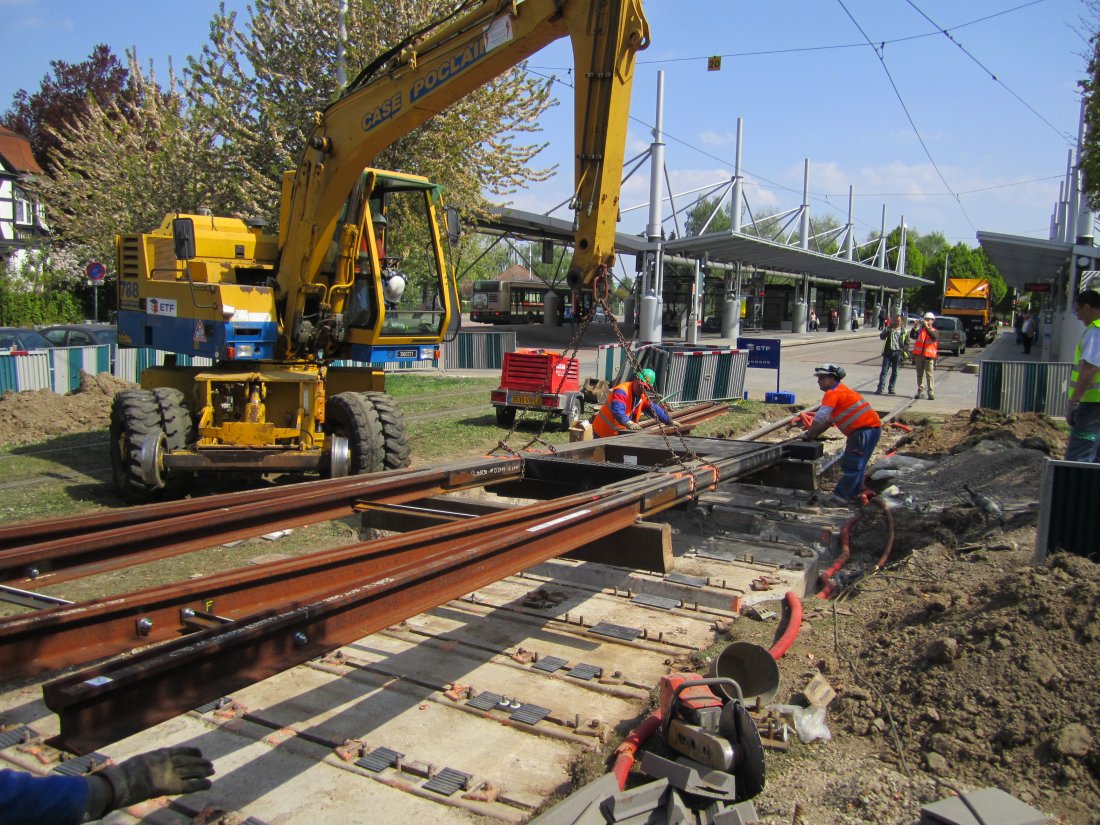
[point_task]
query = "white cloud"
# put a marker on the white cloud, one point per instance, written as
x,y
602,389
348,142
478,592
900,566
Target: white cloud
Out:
x,y
712,138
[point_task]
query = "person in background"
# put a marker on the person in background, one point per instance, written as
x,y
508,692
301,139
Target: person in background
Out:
x,y
1030,330
1083,410
67,800
811,325
925,349
883,317
894,348
1018,325
834,320
852,415
625,405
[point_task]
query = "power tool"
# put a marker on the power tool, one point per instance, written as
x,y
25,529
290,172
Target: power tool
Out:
x,y
716,731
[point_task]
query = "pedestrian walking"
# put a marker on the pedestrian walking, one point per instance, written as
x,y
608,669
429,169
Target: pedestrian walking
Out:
x,y
883,318
811,325
1083,411
852,415
1030,330
925,349
834,321
894,348
1018,325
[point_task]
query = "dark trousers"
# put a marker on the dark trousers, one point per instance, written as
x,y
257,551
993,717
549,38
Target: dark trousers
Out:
x,y
1028,341
891,361
857,453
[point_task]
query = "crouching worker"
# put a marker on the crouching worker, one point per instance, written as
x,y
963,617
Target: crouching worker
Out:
x,y
844,407
625,405
60,800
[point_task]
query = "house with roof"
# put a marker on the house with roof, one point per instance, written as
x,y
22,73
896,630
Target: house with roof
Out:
x,y
22,218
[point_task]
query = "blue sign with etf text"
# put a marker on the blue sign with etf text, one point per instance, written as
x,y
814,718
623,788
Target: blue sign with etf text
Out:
x,y
763,352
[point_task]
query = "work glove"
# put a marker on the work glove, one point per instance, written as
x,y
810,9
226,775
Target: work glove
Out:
x,y
633,425
1071,413
157,773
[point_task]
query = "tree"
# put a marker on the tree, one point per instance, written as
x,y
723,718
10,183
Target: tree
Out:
x,y
65,98
117,174
706,217
256,87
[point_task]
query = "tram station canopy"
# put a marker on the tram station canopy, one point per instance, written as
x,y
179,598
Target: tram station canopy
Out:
x,y
717,247
1022,260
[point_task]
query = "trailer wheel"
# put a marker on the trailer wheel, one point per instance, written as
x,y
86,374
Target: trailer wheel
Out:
x,y
573,412
395,438
179,431
135,417
352,416
506,416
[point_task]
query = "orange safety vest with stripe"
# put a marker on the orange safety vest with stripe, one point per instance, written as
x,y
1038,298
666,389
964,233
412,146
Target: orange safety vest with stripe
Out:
x,y
1092,393
925,345
850,411
604,424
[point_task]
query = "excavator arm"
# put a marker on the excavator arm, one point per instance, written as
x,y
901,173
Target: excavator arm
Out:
x,y
421,78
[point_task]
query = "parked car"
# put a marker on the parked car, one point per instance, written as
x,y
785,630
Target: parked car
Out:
x,y
80,335
22,339
952,335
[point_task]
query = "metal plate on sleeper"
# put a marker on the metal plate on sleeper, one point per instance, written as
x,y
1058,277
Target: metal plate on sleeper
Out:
x,y
616,631
530,714
682,578
379,759
486,700
656,601
16,736
81,765
217,704
585,672
550,663
447,781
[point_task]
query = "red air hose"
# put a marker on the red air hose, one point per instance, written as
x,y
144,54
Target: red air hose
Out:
x,y
624,761
881,563
794,622
826,578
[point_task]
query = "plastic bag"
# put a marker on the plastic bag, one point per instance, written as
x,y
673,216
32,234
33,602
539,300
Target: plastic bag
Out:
x,y
809,723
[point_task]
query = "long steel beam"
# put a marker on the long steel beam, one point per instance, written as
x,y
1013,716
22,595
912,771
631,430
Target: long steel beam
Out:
x,y
58,552
104,703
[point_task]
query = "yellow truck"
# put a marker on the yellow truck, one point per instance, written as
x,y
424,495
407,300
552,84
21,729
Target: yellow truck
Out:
x,y
971,301
276,311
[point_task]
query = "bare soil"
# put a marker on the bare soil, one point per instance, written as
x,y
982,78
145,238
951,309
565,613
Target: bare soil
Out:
x,y
958,665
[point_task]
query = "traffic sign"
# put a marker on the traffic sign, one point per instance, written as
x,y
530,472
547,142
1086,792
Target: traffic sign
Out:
x,y
95,271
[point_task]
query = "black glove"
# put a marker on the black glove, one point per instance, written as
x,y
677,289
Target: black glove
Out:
x,y
157,773
1071,413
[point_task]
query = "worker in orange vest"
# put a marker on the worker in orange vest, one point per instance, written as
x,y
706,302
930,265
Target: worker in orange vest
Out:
x,y
625,405
852,415
925,349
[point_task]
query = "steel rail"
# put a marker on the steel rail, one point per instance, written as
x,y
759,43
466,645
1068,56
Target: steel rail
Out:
x,y
102,704
103,546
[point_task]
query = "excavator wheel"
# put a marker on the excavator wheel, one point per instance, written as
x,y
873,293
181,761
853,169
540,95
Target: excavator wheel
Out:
x,y
353,416
175,420
395,438
135,417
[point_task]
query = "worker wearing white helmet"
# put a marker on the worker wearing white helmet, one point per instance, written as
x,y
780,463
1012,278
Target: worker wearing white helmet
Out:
x,y
847,410
925,349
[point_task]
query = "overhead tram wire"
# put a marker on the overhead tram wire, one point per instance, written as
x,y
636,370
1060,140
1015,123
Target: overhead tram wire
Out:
x,y
909,117
946,33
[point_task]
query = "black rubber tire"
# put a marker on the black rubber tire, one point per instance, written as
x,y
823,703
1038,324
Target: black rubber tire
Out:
x,y
506,416
352,415
574,412
134,415
179,432
395,437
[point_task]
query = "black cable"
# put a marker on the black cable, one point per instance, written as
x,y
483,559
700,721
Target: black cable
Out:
x,y
909,117
988,71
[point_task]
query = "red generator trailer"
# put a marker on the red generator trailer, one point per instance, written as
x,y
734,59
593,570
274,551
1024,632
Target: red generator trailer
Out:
x,y
540,380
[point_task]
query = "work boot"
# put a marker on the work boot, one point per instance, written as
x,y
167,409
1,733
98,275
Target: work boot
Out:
x,y
919,394
931,397
892,392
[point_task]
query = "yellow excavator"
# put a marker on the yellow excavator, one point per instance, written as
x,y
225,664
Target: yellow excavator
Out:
x,y
359,270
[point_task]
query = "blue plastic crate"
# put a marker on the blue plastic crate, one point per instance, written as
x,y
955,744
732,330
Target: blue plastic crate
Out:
x,y
779,398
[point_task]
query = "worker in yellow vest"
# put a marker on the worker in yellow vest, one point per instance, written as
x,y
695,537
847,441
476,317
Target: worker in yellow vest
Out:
x,y
1083,411
625,405
925,349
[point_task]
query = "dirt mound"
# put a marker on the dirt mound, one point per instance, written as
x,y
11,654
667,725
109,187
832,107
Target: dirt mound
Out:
x,y
961,663
35,415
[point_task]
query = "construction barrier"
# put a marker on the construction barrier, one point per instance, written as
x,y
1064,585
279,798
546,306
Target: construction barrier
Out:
x,y
1024,386
478,350
685,374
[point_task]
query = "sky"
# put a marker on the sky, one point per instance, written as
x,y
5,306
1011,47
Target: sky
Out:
x,y
952,134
